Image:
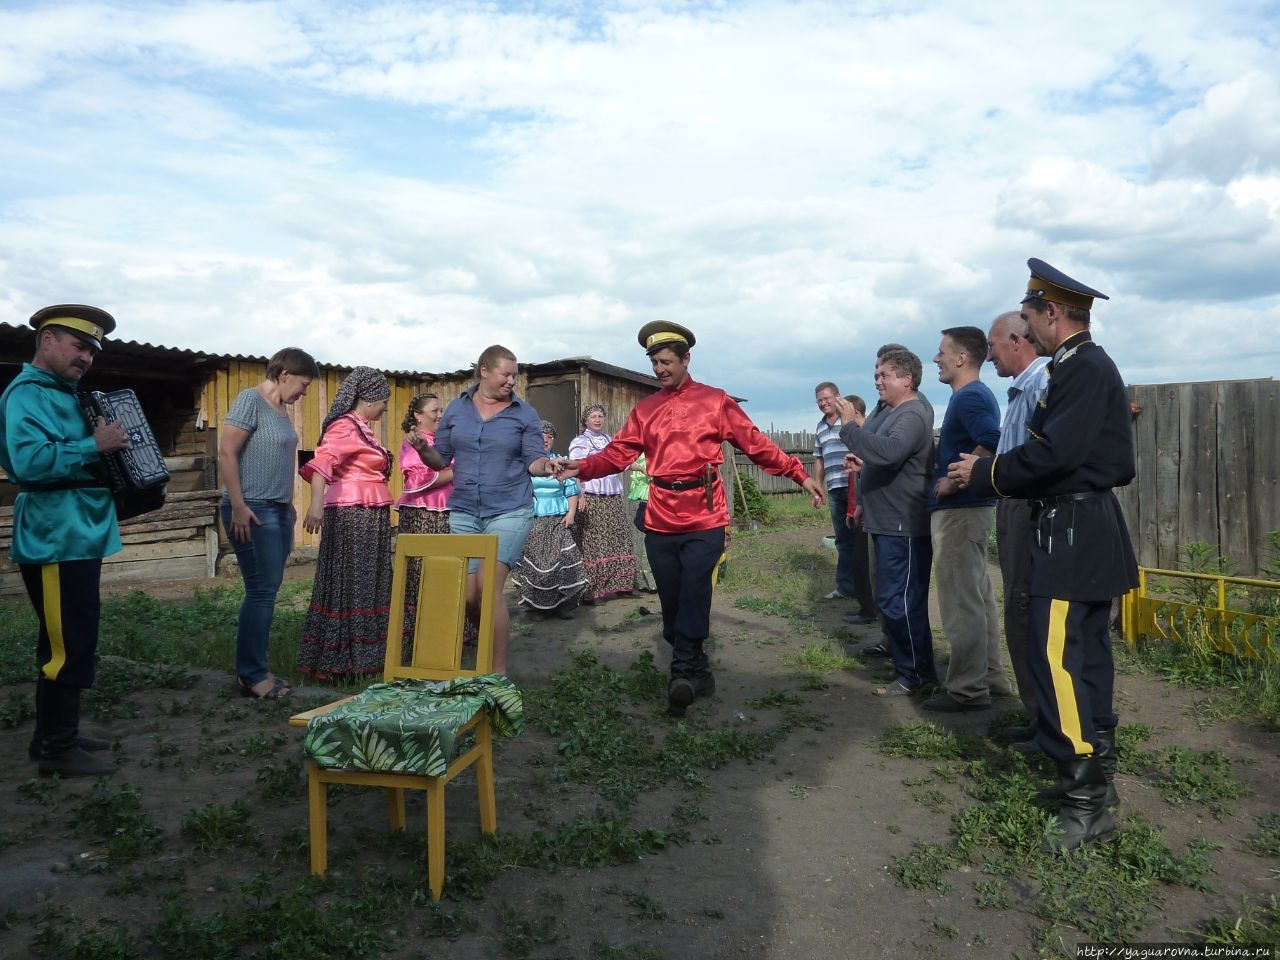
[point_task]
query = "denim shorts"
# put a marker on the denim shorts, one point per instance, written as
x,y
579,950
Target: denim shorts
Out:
x,y
512,529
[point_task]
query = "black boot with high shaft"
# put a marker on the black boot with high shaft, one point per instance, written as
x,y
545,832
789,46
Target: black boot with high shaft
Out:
x,y
1082,815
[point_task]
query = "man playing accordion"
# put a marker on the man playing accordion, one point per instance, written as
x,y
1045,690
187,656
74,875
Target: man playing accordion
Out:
x,y
64,523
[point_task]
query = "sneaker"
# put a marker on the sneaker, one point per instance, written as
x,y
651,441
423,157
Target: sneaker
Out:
x,y
834,595
877,649
680,693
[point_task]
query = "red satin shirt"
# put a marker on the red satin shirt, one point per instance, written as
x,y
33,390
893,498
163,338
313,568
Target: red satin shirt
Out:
x,y
680,431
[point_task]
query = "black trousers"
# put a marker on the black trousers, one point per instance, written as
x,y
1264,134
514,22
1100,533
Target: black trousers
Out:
x,y
682,565
1013,537
1072,672
65,598
853,555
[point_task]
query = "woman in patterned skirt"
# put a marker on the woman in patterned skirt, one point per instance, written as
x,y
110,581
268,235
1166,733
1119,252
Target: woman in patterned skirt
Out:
x,y
424,504
550,577
345,632
603,528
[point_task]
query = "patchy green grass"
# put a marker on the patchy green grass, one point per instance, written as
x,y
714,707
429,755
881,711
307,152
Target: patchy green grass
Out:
x,y
1234,687
1266,842
1256,923
1107,892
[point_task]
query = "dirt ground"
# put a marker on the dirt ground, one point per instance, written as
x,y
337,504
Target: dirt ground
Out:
x,y
790,861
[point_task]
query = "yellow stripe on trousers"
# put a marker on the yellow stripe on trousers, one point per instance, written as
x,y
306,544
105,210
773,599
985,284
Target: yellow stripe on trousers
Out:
x,y
51,590
1064,690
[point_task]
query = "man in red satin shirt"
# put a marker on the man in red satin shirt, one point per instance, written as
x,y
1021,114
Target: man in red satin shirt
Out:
x,y
680,430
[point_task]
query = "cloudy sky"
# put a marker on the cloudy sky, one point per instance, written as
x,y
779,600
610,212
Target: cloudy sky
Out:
x,y
402,184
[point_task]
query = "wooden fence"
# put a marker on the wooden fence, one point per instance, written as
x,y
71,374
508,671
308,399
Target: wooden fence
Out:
x,y
1208,470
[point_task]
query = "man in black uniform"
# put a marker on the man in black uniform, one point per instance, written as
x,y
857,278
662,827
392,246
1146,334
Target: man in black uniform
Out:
x,y
1079,446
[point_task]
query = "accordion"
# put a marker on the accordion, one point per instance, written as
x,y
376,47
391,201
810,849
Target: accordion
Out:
x,y
137,474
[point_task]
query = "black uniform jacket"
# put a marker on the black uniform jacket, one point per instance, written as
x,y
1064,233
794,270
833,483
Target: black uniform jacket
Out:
x,y
1080,441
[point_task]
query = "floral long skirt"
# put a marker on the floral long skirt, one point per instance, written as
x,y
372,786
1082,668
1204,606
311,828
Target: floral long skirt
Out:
x,y
550,571
604,537
416,520
345,632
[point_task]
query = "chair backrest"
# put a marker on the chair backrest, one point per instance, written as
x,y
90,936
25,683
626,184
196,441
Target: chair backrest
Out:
x,y
441,605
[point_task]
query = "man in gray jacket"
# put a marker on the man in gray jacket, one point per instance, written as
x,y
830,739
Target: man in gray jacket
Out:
x,y
896,450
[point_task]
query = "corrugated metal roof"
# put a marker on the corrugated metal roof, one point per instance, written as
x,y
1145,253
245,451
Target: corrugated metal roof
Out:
x,y
16,339
118,350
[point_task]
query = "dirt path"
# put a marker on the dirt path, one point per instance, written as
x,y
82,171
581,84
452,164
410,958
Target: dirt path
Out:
x,y
789,860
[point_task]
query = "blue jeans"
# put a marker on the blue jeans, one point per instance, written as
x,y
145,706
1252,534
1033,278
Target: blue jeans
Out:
x,y
262,562
511,528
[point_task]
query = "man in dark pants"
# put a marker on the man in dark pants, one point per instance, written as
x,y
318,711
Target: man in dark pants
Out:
x,y
64,523
853,566
1079,446
680,430
1014,355
895,446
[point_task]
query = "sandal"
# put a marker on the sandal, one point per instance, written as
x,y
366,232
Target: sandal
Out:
x,y
278,689
895,689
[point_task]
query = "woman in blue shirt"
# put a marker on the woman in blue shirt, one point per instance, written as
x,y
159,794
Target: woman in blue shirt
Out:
x,y
495,442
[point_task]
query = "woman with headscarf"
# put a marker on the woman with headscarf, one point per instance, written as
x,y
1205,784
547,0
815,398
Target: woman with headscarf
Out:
x,y
494,440
345,632
603,529
550,577
424,504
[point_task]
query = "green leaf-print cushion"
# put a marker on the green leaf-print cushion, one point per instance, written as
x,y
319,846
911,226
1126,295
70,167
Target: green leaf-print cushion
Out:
x,y
411,726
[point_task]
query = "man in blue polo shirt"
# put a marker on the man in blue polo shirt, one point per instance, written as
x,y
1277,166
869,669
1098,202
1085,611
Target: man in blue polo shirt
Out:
x,y
960,525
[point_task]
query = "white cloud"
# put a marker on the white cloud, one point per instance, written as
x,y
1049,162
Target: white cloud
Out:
x,y
403,184
1233,131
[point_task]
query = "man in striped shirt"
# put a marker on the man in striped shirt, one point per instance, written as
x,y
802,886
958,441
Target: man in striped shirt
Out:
x,y
853,575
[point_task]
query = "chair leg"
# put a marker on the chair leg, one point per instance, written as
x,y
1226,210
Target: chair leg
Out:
x,y
485,797
435,838
318,820
395,807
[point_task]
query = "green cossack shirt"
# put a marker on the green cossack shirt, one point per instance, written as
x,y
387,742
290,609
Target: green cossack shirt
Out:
x,y
44,441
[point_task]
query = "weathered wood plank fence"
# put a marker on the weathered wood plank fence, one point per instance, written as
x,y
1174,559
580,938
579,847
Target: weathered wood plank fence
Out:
x,y
1208,470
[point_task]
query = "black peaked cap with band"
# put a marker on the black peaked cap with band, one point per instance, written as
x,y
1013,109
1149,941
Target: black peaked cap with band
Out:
x,y
1050,283
91,323
657,334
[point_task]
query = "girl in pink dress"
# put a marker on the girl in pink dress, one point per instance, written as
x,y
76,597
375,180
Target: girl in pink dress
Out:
x,y
424,504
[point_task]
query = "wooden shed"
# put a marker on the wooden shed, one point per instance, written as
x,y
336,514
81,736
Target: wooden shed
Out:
x,y
186,395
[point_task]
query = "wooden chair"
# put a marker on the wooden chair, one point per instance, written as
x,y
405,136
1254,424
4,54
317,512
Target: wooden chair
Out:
x,y
437,655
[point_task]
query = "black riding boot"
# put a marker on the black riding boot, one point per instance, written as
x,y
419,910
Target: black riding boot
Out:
x,y
1107,757
83,742
59,751
1082,816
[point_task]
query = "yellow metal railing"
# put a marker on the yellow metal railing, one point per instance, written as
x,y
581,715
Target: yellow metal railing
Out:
x,y
1241,632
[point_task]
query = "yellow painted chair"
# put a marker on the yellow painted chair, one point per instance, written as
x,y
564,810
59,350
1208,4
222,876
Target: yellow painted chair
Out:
x,y
437,655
